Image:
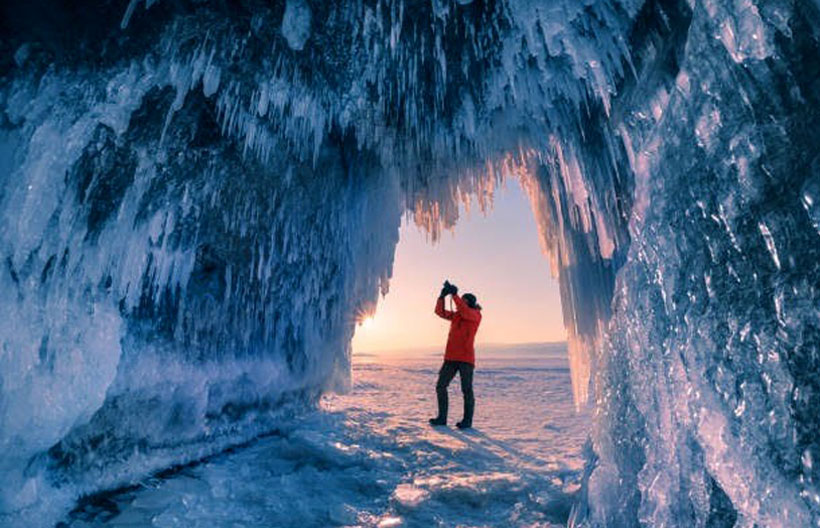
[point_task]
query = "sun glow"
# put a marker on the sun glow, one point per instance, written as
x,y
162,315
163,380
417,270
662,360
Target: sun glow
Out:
x,y
367,322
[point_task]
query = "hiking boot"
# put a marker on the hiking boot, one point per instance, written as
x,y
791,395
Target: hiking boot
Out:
x,y
438,421
463,424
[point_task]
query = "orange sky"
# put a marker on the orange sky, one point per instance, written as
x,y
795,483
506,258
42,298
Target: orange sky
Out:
x,y
497,257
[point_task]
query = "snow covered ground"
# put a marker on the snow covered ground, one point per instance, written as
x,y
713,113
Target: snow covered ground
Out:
x,y
368,458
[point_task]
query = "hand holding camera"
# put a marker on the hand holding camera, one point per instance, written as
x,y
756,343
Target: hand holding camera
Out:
x,y
448,289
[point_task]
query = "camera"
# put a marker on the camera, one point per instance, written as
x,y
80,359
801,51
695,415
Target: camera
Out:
x,y
449,289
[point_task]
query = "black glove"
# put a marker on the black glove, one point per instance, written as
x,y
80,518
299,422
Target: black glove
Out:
x,y
443,293
453,289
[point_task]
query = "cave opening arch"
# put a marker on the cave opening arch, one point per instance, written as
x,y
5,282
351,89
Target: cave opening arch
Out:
x,y
584,277
495,253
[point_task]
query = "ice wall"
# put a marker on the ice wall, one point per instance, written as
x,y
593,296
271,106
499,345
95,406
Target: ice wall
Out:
x,y
198,199
706,389
165,295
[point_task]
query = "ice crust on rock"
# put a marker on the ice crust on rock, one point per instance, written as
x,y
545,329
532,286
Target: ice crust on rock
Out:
x,y
196,204
296,23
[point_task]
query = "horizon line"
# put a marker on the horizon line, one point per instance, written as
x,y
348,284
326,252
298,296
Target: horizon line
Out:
x,y
478,345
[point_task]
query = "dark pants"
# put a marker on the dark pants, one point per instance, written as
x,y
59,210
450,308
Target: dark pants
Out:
x,y
445,376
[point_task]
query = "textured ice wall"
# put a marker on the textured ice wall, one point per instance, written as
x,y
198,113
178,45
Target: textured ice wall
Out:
x,y
707,387
165,296
198,199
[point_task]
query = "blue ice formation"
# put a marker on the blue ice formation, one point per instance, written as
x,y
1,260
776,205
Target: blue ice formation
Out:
x,y
198,199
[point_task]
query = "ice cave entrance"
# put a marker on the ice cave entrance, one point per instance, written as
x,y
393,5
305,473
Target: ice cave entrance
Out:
x,y
495,255
527,427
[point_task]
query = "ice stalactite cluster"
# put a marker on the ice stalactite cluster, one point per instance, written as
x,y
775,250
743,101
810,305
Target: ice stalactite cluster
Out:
x,y
197,199
167,297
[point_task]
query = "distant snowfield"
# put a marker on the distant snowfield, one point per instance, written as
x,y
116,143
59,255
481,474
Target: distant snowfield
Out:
x,y
368,458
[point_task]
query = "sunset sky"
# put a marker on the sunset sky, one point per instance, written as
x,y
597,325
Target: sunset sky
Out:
x,y
498,258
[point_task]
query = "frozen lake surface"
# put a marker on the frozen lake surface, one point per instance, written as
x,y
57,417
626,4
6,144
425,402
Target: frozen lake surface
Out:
x,y
369,458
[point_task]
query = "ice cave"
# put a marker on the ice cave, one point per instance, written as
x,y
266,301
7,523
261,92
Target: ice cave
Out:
x,y
197,197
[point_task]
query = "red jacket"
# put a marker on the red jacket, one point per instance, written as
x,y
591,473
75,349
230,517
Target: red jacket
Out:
x,y
463,327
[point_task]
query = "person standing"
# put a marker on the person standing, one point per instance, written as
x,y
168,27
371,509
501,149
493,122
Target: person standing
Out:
x,y
459,355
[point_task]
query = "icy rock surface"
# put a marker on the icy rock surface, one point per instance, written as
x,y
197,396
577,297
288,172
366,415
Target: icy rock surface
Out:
x,y
296,23
197,200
